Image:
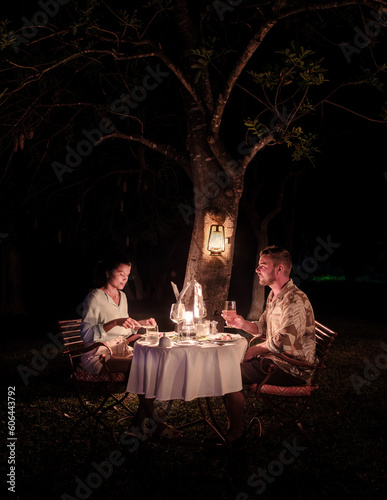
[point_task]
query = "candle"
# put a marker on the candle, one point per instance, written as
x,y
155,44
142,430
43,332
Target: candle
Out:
x,y
188,317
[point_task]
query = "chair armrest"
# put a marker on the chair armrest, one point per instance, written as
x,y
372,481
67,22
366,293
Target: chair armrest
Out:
x,y
88,348
256,337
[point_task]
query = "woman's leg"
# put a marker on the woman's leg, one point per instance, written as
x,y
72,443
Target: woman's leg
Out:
x,y
157,426
117,364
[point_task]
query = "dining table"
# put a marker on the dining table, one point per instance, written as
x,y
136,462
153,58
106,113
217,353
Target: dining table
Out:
x,y
188,370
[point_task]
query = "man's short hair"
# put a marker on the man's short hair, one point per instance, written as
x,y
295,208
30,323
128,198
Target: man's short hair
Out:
x,y
279,256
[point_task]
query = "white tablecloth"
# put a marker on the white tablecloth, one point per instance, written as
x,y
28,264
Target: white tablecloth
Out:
x,y
186,372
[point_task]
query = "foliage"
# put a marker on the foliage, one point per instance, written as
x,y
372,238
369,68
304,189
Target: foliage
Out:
x,y
298,67
302,144
206,57
286,85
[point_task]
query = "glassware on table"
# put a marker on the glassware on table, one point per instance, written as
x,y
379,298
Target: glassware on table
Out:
x,y
152,334
229,312
213,327
177,314
201,311
202,326
187,328
203,329
187,332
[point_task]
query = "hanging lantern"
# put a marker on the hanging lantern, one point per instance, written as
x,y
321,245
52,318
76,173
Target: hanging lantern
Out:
x,y
216,240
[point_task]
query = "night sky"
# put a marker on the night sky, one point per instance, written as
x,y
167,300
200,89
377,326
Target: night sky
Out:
x,y
61,232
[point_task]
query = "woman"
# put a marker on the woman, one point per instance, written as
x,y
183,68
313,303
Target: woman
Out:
x,y
105,319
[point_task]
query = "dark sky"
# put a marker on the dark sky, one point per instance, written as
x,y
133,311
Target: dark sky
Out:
x,y
340,199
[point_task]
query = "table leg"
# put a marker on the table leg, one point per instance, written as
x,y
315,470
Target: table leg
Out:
x,y
212,422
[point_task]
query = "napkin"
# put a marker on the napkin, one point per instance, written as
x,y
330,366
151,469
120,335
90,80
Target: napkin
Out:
x,y
175,290
197,304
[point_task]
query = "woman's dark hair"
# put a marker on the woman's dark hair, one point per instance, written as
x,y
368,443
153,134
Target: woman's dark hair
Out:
x,y
108,265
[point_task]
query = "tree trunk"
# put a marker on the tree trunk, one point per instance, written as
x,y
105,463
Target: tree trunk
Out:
x,y
216,201
258,293
213,272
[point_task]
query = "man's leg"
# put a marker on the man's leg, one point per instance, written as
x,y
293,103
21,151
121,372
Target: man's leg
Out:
x,y
235,406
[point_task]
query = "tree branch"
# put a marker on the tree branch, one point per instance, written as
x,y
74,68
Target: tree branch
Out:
x,y
52,65
263,142
164,149
240,65
283,12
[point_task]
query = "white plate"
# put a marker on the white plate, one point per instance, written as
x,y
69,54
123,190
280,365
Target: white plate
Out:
x,y
168,334
145,342
186,343
216,339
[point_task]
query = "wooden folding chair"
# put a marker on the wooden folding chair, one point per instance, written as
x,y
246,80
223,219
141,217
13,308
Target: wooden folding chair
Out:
x,y
108,389
276,398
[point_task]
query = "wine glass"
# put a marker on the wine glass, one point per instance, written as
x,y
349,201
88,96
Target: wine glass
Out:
x,y
202,311
229,312
177,314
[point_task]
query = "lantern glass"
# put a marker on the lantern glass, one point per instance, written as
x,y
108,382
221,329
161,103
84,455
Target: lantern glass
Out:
x,y
216,240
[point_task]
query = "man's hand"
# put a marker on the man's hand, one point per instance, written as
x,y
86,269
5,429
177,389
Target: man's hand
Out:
x,y
241,323
237,322
255,351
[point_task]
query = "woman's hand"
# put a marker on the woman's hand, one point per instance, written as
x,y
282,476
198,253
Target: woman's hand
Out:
x,y
125,322
129,323
149,321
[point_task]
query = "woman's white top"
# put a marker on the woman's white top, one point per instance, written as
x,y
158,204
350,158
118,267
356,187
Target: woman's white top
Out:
x,y
98,309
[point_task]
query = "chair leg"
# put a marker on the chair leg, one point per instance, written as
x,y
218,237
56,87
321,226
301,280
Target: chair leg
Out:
x,y
256,420
285,417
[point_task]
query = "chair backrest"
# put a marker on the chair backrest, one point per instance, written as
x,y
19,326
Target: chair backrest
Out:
x,y
71,337
324,339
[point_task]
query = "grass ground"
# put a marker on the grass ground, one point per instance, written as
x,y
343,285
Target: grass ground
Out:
x,y
345,455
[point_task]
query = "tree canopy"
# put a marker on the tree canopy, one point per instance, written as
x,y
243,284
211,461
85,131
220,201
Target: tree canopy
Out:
x,y
121,126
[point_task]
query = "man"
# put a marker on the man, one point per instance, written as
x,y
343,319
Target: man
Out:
x,y
288,327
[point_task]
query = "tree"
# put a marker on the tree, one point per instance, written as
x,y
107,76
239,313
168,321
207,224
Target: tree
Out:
x,y
171,76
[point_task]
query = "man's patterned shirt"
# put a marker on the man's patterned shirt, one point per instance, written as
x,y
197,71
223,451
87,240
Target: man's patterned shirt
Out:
x,y
289,328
